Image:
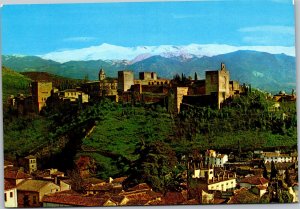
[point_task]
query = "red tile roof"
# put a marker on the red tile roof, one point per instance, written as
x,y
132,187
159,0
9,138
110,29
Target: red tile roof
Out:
x,y
173,198
74,200
142,186
261,187
254,180
8,185
119,180
15,174
243,196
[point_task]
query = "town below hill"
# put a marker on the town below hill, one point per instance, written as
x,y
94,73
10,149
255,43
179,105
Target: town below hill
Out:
x,y
147,141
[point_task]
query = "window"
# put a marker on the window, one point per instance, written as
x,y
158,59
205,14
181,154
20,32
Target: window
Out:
x,y
5,198
11,194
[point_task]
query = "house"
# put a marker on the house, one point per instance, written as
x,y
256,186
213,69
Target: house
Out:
x,y
212,158
215,178
259,190
276,157
251,181
31,163
15,175
117,182
243,196
73,199
31,192
10,195
65,184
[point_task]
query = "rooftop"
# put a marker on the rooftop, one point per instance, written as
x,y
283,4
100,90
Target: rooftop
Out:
x,y
254,180
32,185
74,199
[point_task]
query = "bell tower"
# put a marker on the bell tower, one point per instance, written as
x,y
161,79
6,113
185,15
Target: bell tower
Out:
x,y
101,74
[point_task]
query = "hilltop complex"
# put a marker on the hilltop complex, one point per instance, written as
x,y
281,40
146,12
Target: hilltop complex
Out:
x,y
149,88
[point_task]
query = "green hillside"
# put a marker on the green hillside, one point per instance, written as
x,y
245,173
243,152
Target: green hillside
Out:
x,y
13,83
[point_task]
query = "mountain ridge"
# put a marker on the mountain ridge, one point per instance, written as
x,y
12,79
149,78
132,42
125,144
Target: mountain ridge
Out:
x,y
110,52
272,72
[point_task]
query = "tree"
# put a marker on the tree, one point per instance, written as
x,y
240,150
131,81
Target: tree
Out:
x,y
265,172
76,180
156,166
273,171
287,178
196,77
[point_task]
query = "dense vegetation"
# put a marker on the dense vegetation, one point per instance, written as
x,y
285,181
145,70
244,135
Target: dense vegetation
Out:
x,y
149,140
13,83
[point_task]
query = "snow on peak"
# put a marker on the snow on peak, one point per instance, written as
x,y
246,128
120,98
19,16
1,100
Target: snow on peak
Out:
x,y
107,51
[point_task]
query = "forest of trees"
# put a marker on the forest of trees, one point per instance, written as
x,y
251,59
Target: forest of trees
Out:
x,y
145,143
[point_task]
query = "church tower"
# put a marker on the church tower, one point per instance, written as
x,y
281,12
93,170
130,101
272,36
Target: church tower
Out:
x,y
101,75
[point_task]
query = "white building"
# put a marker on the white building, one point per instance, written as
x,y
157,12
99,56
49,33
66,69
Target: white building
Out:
x,y
217,160
276,157
10,195
216,180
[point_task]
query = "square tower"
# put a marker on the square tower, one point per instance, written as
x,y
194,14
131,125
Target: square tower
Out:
x,y
217,82
31,163
40,92
125,80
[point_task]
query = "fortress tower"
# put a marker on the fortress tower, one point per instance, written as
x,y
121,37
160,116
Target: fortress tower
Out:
x,y
217,83
40,92
125,80
101,75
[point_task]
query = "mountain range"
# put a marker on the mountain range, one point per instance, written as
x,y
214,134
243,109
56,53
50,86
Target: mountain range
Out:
x,y
267,71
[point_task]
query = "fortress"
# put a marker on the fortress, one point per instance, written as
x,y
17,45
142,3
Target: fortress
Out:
x,y
149,88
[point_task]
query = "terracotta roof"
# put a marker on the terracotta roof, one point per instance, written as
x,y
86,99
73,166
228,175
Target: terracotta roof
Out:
x,y
74,200
32,185
119,180
105,187
117,198
15,174
136,202
8,185
192,202
155,202
219,200
254,180
67,181
173,198
30,157
261,187
142,186
93,181
243,196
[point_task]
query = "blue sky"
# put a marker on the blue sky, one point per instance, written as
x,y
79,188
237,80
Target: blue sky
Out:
x,y
39,29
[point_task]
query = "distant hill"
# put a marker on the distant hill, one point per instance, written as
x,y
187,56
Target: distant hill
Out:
x,y
271,72
57,81
13,83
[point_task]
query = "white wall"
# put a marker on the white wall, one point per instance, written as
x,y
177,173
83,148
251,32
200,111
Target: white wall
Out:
x,y
11,201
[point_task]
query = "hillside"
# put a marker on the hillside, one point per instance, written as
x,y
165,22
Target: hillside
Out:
x,y
13,83
57,81
271,72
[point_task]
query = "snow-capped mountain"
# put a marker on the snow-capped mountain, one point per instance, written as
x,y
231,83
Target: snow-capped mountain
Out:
x,y
139,53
